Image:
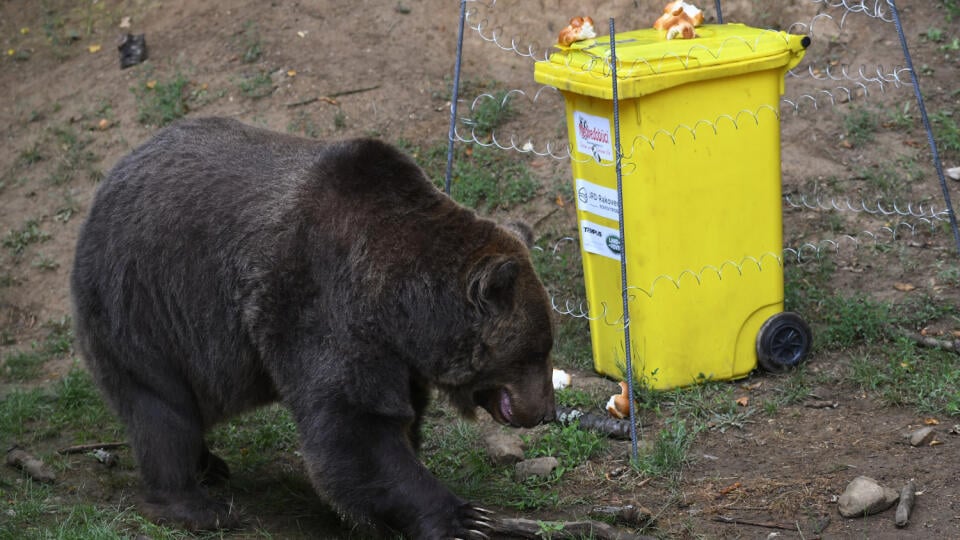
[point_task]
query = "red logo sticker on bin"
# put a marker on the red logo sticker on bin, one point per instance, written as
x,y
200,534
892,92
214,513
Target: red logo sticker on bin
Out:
x,y
593,136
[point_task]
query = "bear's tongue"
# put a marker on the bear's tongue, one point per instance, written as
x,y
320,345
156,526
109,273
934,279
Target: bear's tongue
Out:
x,y
506,408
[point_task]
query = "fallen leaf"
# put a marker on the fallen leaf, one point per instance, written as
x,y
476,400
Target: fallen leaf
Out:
x,y
24,30
151,84
751,386
560,201
103,124
743,401
935,442
291,73
95,48
125,22
302,33
11,52
904,287
931,422
846,144
732,487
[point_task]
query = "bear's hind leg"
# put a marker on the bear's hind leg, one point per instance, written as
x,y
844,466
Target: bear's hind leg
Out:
x,y
167,438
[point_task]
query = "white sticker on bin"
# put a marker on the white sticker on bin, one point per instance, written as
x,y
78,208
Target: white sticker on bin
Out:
x,y
596,199
600,240
594,137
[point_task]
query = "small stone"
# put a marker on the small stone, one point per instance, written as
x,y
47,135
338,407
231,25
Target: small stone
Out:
x,y
504,448
954,172
923,436
864,497
539,467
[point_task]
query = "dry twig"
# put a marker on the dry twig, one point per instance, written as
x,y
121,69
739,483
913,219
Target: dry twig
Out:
x,y
528,528
329,98
84,448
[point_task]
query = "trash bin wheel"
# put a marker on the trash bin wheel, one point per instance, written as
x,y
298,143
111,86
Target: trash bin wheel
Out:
x,y
783,342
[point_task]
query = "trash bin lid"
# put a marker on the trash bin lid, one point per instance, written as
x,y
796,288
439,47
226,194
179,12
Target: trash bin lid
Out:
x,y
648,62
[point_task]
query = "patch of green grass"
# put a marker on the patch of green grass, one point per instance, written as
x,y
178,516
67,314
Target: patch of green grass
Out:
x,y
904,375
933,34
669,453
948,273
339,119
70,407
26,504
454,452
74,411
946,131
68,209
253,440
952,7
303,124
73,157
488,112
576,398
838,321
845,321
31,155
17,241
256,86
37,512
17,408
900,118
23,365
860,126
160,102
571,445
919,310
483,178
952,46
250,43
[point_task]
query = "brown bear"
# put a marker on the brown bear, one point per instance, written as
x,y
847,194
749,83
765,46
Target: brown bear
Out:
x,y
223,267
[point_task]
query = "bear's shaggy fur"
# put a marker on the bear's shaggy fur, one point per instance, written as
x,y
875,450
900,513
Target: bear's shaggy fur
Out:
x,y
223,267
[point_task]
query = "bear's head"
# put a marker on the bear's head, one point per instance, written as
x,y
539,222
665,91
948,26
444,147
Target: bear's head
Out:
x,y
512,371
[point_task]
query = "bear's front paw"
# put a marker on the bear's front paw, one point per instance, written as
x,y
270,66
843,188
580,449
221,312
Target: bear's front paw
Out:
x,y
473,523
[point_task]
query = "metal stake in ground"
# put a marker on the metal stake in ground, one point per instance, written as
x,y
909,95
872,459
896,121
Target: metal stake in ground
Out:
x,y
719,12
926,123
623,244
454,97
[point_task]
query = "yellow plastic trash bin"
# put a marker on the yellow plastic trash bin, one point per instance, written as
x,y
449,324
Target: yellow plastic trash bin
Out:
x,y
700,133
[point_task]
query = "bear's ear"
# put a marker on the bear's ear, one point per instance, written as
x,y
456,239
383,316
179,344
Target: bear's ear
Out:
x,y
521,230
492,282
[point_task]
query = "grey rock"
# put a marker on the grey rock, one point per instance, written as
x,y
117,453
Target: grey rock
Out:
x,y
864,496
541,466
503,448
923,436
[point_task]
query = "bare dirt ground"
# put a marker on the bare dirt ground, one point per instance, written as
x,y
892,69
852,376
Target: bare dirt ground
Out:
x,y
389,64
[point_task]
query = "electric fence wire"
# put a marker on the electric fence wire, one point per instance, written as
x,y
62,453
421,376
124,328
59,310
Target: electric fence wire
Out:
x,y
615,83
448,175
926,123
